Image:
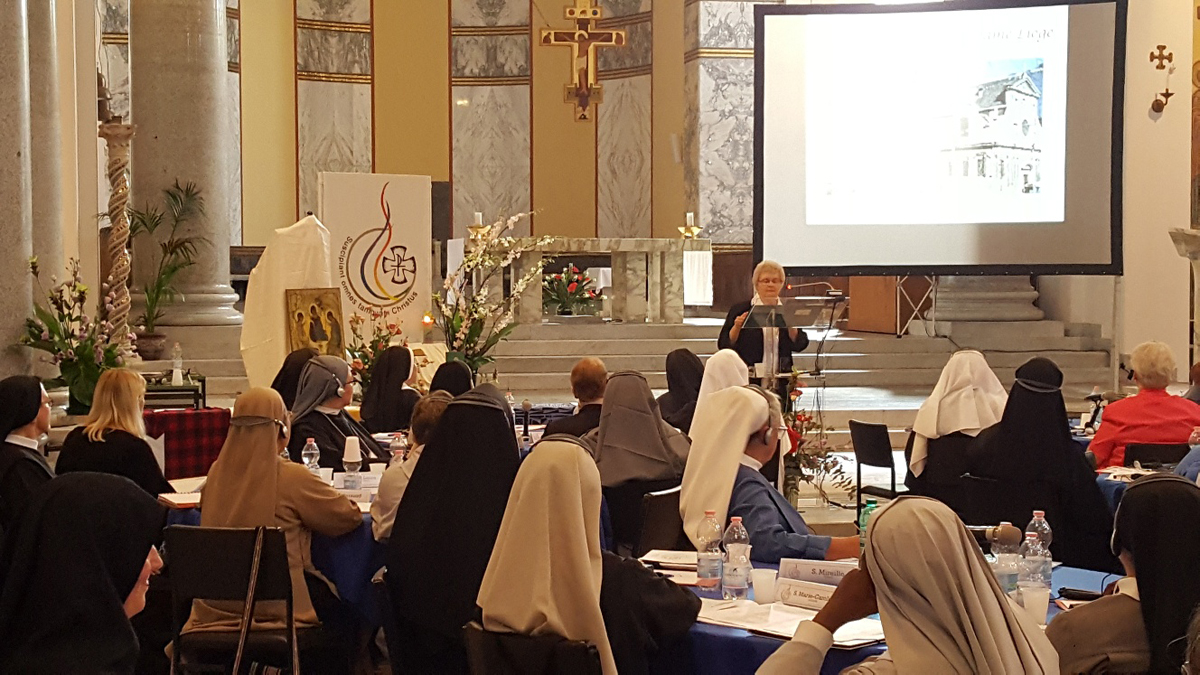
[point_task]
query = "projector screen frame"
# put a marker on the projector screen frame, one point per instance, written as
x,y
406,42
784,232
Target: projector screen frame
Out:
x,y
1115,266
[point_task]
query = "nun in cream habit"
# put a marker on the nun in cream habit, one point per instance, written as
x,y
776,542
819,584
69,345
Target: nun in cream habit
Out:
x,y
548,575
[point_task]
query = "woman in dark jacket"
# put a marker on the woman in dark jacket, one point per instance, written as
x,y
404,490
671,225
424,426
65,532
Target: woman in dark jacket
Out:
x,y
750,342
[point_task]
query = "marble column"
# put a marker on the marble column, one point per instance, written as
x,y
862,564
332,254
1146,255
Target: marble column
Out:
x,y
15,185
985,299
45,131
1187,244
178,80
629,271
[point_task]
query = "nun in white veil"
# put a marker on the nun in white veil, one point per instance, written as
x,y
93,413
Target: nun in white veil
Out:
x,y
942,609
723,370
968,398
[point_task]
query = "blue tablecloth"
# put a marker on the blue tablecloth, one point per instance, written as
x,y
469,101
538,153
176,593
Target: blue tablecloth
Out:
x,y
1112,490
732,651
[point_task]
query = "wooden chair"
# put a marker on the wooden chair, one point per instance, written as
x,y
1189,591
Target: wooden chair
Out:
x,y
493,653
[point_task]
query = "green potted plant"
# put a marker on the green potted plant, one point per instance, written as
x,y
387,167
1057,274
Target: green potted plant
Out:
x,y
81,347
175,254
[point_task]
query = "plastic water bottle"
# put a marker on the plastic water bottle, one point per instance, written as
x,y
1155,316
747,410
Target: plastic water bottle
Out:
x,y
708,556
1007,567
864,517
310,454
1041,528
399,448
1033,582
177,366
735,577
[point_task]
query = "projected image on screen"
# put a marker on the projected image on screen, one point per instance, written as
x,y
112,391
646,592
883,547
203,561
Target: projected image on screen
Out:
x,y
940,138
956,104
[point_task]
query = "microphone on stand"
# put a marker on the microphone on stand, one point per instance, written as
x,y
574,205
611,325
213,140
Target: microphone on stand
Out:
x,y
1003,534
526,406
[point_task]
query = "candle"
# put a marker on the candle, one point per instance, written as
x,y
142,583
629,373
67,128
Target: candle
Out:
x,y
691,219
353,452
479,217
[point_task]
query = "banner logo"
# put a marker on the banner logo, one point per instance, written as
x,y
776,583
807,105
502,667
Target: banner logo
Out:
x,y
376,271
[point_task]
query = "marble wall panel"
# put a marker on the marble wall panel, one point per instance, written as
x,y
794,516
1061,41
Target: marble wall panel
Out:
x,y
114,16
613,8
490,56
489,12
334,129
691,27
726,25
690,145
637,52
623,159
347,11
725,133
114,63
233,41
234,186
491,154
330,51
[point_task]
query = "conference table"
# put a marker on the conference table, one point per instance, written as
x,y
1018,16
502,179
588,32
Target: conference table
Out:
x,y
733,651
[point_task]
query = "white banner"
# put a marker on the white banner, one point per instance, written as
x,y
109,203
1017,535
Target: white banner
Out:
x,y
380,228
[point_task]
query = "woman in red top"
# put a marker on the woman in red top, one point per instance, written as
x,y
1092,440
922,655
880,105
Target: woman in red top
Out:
x,y
1151,416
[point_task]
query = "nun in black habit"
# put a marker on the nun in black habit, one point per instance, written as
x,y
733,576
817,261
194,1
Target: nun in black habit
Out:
x,y
73,565
288,377
452,377
1037,465
449,518
22,468
388,402
685,370
319,413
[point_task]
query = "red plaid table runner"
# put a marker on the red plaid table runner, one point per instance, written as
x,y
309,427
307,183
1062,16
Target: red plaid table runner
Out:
x,y
193,438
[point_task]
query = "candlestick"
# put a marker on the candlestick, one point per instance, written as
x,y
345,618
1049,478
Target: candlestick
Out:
x,y
691,219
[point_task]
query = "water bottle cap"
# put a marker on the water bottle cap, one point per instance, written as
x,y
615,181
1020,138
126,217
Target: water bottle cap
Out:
x,y
735,519
310,440
871,501
1031,535
1039,514
1005,522
710,513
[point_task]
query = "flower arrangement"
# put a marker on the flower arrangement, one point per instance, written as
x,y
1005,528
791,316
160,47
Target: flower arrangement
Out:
x,y
473,319
814,461
569,292
363,351
81,347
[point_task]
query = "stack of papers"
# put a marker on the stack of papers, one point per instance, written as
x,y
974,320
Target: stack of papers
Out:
x,y
184,485
176,500
1125,474
671,560
780,621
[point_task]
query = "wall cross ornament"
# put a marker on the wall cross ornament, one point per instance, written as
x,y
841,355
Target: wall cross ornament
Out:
x,y
583,40
1163,57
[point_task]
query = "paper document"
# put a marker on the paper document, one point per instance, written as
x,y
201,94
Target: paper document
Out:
x,y
681,577
677,560
184,485
176,500
159,447
781,621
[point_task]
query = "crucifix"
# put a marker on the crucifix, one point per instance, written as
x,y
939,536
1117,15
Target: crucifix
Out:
x,y
583,41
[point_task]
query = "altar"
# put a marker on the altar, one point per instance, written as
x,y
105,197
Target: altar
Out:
x,y
647,276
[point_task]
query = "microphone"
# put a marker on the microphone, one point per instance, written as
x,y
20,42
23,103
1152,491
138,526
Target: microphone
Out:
x,y
1095,396
526,406
1005,534
1112,396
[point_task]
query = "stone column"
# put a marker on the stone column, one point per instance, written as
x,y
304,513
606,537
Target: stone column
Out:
x,y
15,186
45,132
629,286
985,299
178,91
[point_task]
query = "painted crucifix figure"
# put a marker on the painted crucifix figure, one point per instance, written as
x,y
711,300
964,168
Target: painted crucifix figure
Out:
x,y
583,40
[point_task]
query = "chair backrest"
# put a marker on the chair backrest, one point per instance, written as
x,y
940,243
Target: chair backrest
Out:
x,y
625,507
492,653
872,445
990,501
213,563
1151,454
662,526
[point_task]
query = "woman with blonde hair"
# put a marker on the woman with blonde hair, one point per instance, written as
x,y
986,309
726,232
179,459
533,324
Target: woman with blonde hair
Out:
x,y
112,438
771,346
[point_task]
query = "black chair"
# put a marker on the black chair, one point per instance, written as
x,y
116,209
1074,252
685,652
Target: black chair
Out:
x,y
383,599
1153,455
662,526
493,653
872,447
625,510
215,563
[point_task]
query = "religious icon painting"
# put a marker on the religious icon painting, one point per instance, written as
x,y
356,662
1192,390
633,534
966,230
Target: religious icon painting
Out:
x,y
315,320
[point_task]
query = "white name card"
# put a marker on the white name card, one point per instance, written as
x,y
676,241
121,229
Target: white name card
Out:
x,y
818,571
803,593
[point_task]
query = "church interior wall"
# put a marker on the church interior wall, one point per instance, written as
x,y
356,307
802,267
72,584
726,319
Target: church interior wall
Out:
x,y
667,115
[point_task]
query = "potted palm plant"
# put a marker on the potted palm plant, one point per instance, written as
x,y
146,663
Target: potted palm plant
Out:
x,y
175,254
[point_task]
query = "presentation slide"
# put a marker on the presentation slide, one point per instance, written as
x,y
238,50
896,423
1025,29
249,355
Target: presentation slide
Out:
x,y
918,139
